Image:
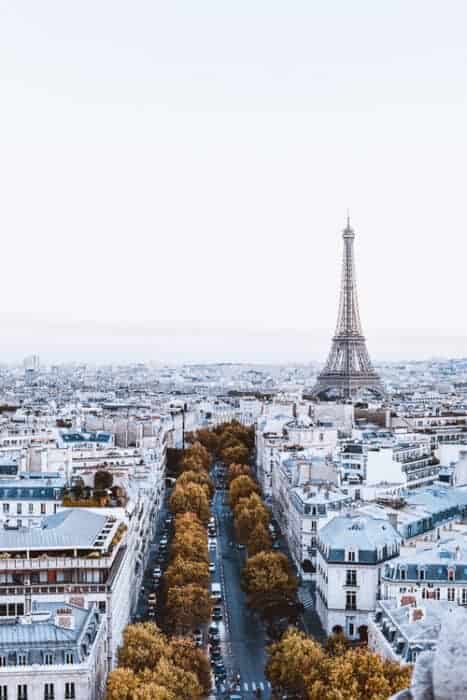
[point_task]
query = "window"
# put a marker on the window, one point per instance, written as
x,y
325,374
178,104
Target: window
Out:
x,y
48,659
451,575
19,508
451,594
350,600
351,555
6,507
70,691
464,596
68,657
3,692
403,574
19,522
421,574
2,660
31,508
23,692
49,691
21,660
313,525
351,577
43,508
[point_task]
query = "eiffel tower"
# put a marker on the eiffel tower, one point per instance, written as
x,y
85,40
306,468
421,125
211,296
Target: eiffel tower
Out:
x,y
348,367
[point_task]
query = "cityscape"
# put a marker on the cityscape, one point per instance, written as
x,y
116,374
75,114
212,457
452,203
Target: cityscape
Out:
x,y
233,369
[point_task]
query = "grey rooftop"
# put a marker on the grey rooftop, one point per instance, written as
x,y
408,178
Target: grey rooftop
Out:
x,y
72,528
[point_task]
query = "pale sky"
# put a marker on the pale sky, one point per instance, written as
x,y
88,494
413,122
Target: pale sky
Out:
x,y
194,160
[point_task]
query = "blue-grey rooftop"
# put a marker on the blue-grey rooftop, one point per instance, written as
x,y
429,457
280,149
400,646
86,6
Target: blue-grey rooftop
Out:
x,y
72,528
46,631
358,532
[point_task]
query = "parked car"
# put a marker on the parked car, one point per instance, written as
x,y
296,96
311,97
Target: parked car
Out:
x,y
276,545
212,568
240,546
212,545
215,653
157,571
217,613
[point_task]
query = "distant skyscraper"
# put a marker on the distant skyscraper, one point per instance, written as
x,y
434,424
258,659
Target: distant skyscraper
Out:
x,y
348,367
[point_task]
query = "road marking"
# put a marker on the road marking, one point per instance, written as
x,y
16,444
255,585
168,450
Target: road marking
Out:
x,y
245,685
253,686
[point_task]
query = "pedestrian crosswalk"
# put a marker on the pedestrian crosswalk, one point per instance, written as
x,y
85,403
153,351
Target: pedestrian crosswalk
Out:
x,y
307,602
246,687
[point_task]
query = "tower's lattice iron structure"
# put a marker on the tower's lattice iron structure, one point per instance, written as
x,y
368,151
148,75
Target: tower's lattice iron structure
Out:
x,y
348,367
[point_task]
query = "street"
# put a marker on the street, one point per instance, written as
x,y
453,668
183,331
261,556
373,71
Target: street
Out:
x,y
244,640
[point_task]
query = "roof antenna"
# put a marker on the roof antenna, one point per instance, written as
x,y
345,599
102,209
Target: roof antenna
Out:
x,y
348,218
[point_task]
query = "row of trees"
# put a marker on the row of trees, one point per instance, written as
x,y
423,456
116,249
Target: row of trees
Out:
x,y
185,584
301,668
268,579
155,667
152,665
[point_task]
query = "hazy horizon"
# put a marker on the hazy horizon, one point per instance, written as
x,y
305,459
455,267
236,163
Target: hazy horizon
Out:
x,y
59,339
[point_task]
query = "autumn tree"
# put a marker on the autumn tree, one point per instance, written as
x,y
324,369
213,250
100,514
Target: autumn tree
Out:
x,y
199,453
191,464
241,487
237,470
190,498
336,644
143,645
269,583
103,480
187,656
188,607
182,571
290,660
234,454
298,665
259,540
190,545
248,515
184,685
201,478
121,684
358,674
207,438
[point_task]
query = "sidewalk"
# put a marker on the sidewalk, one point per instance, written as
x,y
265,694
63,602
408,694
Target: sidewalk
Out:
x,y
311,621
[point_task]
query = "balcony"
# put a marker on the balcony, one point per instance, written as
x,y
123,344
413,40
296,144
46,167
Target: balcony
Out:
x,y
45,563
55,588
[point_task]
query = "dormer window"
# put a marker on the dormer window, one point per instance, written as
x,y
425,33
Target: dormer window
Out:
x,y
403,574
68,657
21,660
48,659
421,574
451,574
351,555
